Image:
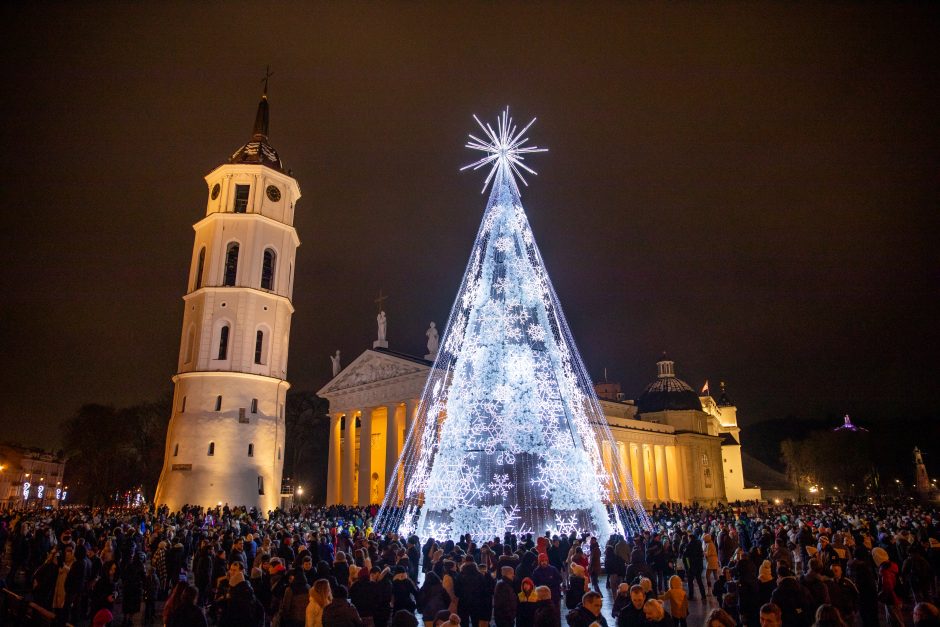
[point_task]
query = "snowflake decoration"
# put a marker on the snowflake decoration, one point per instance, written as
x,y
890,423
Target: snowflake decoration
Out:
x,y
504,147
536,333
566,524
501,485
503,244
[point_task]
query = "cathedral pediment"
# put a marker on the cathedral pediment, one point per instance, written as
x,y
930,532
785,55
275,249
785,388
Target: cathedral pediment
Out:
x,y
373,367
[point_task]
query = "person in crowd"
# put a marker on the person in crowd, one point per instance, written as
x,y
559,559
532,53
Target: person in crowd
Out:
x,y
577,585
547,575
433,598
340,612
320,596
547,613
770,615
632,615
828,616
656,615
887,586
712,563
621,599
528,598
926,615
718,618
678,601
588,612
505,598
185,611
293,610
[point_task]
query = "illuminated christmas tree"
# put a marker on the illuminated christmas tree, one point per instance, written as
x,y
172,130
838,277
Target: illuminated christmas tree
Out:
x,y
509,435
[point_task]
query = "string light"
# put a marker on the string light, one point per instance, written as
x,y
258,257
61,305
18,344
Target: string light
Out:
x,y
509,435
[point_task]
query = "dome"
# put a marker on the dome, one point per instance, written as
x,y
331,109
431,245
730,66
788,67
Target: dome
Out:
x,y
667,393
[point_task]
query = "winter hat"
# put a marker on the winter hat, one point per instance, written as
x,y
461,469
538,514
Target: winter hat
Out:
x,y
102,618
764,574
879,555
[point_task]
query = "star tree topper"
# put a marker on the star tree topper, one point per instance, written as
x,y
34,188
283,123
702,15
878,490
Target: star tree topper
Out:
x,y
504,148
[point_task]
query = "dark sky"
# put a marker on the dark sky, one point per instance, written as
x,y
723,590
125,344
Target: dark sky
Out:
x,y
750,187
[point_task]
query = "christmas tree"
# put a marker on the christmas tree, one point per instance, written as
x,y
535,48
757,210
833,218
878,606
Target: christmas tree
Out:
x,y
509,435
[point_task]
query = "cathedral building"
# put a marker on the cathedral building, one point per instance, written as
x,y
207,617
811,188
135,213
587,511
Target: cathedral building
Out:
x,y
225,442
677,445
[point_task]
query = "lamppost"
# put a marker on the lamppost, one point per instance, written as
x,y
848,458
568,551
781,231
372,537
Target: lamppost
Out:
x,y
300,494
898,483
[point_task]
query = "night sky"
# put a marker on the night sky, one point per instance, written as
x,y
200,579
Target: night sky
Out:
x,y
752,188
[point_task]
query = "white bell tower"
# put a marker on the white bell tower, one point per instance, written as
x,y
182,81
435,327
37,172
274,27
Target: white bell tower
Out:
x,y
225,442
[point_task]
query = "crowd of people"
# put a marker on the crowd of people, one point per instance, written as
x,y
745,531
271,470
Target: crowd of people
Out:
x,y
757,565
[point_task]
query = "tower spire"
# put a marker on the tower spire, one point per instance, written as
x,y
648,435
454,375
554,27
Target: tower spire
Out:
x,y
262,117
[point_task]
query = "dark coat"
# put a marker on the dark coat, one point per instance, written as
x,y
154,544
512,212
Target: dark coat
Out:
x,y
132,589
505,603
187,616
631,617
339,613
432,597
404,593
546,615
581,617
549,576
242,609
471,590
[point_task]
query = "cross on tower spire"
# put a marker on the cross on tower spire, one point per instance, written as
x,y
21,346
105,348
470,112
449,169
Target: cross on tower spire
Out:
x,y
380,300
267,74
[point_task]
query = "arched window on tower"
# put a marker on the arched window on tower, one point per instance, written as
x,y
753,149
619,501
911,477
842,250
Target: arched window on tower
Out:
x,y
251,450
200,266
259,347
218,403
223,342
268,267
211,449
231,264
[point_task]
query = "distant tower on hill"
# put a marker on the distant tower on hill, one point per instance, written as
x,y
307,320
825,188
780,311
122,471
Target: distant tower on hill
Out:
x,y
921,481
225,442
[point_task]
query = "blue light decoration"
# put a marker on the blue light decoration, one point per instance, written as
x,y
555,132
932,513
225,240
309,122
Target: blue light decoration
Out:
x,y
509,435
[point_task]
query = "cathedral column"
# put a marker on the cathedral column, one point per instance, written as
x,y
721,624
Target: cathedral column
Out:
x,y
664,486
411,406
654,479
391,445
624,467
364,497
639,480
349,458
333,471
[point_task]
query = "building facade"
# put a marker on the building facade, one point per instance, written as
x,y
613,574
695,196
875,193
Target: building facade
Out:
x,y
679,447
30,478
225,442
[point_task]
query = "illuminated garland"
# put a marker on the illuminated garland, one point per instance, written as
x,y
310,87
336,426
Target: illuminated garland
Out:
x,y
509,435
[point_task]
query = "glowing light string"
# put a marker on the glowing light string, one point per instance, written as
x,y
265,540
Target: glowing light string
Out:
x,y
509,435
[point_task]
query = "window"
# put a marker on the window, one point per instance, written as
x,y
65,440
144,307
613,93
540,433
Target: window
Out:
x,y
267,269
242,418
704,459
259,347
241,198
200,266
260,485
183,405
218,403
211,449
223,342
231,264
254,406
176,449
279,452
251,450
